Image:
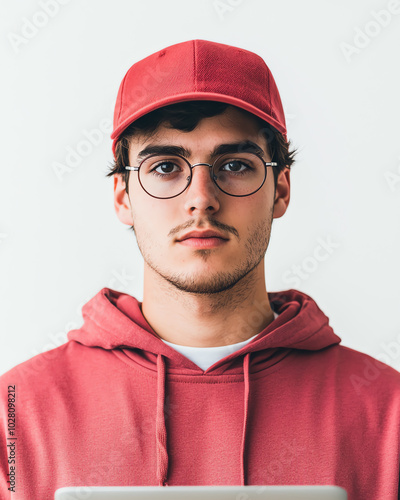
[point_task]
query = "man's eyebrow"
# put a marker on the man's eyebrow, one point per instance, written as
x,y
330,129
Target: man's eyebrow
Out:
x,y
170,149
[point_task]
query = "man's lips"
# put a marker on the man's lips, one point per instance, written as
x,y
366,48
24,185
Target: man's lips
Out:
x,y
208,234
208,242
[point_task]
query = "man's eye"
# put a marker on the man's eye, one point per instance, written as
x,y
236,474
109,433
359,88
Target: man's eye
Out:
x,y
167,167
235,166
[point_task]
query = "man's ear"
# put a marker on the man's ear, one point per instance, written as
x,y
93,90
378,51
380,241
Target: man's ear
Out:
x,y
282,193
122,203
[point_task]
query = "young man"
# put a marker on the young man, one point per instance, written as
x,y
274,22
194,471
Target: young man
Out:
x,y
211,380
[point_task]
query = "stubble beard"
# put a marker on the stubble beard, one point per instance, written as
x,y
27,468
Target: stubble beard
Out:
x,y
241,277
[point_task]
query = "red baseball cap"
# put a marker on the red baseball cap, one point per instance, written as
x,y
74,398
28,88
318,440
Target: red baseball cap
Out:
x,y
198,70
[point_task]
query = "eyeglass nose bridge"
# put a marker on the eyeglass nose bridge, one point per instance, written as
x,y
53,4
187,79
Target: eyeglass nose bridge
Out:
x,y
213,177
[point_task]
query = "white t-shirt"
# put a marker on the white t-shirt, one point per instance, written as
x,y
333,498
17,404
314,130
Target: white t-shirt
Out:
x,y
204,357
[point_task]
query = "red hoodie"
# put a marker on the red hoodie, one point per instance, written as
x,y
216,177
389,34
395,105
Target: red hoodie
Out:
x,y
115,405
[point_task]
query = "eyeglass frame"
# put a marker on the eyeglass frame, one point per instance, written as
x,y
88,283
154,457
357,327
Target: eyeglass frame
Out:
x,y
191,166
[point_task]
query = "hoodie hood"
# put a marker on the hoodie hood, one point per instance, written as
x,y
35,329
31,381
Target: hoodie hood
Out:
x,y
113,321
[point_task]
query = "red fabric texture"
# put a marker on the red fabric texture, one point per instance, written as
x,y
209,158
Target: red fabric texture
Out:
x,y
117,406
198,70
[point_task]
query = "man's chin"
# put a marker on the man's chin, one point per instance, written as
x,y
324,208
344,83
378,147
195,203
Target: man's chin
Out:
x,y
203,282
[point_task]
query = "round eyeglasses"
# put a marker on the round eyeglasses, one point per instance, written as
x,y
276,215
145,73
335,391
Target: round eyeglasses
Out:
x,y
235,174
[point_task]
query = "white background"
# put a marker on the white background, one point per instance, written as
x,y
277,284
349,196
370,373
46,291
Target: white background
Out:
x,y
60,240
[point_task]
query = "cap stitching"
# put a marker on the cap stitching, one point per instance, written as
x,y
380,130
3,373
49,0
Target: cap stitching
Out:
x,y
269,90
195,66
122,93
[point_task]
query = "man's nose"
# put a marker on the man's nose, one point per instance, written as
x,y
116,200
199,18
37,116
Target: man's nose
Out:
x,y
202,192
202,177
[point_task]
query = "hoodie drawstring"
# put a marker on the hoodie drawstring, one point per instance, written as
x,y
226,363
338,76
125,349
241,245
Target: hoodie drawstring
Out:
x,y
161,433
246,363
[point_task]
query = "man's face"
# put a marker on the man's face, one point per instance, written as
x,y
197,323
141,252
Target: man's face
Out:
x,y
160,223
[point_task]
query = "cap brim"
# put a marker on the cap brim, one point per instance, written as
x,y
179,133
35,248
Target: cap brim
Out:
x,y
194,96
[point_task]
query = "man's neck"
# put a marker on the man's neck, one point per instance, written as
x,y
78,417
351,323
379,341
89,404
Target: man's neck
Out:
x,y
207,320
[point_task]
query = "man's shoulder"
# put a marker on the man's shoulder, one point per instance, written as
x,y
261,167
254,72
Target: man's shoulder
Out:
x,y
39,367
368,374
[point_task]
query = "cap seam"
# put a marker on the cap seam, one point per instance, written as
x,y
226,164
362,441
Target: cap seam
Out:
x,y
269,89
122,93
195,65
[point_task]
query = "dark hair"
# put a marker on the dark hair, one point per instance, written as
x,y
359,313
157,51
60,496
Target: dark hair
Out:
x,y
185,116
